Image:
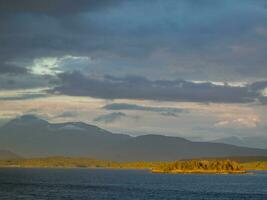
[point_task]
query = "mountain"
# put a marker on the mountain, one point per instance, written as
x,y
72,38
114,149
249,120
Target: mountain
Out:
x,y
233,140
8,155
34,137
251,141
164,148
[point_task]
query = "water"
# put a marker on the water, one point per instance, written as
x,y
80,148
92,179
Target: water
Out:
x,y
57,184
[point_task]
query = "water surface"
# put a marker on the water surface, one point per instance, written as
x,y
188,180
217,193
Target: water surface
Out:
x,y
59,184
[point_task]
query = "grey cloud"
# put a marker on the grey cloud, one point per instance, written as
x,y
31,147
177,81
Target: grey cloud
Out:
x,y
259,85
169,114
263,100
67,114
76,84
24,81
128,39
23,97
111,117
12,69
53,6
166,111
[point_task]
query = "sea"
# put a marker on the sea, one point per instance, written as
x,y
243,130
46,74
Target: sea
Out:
x,y
109,184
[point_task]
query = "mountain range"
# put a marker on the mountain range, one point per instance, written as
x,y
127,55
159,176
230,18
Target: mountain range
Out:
x,y
249,141
31,136
8,155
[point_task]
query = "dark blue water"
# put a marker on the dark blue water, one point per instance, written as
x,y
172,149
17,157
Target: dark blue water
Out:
x,y
55,184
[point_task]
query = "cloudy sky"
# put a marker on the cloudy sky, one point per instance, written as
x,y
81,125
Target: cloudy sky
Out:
x,y
190,68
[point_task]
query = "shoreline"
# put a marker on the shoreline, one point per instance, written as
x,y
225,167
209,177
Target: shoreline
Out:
x,y
199,172
176,167
73,167
153,171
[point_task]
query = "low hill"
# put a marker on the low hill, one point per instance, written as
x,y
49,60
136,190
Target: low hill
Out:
x,y
8,155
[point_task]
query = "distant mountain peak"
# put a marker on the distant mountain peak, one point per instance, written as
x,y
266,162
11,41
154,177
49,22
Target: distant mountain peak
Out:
x,y
28,117
71,126
163,137
233,140
25,120
8,155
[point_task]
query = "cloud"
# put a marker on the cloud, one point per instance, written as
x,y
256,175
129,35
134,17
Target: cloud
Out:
x,y
24,81
23,97
67,114
169,114
53,7
12,69
249,121
124,38
259,85
134,87
263,100
23,94
109,118
166,111
54,65
262,31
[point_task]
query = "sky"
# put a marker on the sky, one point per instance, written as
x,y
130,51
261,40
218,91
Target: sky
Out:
x,y
189,68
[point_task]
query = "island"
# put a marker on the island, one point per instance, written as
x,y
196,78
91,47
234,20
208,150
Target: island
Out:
x,y
202,167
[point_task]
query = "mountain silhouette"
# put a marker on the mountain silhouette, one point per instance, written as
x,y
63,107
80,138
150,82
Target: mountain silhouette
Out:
x,y
8,155
31,136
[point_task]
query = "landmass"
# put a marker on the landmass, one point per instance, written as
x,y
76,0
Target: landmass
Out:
x,y
212,166
202,166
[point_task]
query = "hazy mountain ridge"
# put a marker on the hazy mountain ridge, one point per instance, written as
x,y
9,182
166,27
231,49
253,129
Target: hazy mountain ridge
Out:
x,y
251,141
8,155
34,137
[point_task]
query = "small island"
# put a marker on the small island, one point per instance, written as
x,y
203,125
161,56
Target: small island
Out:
x,y
202,167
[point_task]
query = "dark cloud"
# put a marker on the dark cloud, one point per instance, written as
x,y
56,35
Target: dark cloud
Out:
x,y
263,100
259,85
124,38
76,84
12,69
25,81
23,97
56,7
37,28
111,117
166,111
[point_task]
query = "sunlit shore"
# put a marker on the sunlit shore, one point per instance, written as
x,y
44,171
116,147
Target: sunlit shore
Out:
x,y
177,167
200,172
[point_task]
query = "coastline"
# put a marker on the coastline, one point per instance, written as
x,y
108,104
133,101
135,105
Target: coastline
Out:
x,y
153,171
156,171
176,167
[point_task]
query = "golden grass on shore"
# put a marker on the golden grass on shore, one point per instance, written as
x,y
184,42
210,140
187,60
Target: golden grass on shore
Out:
x,y
199,171
215,166
202,166
259,165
